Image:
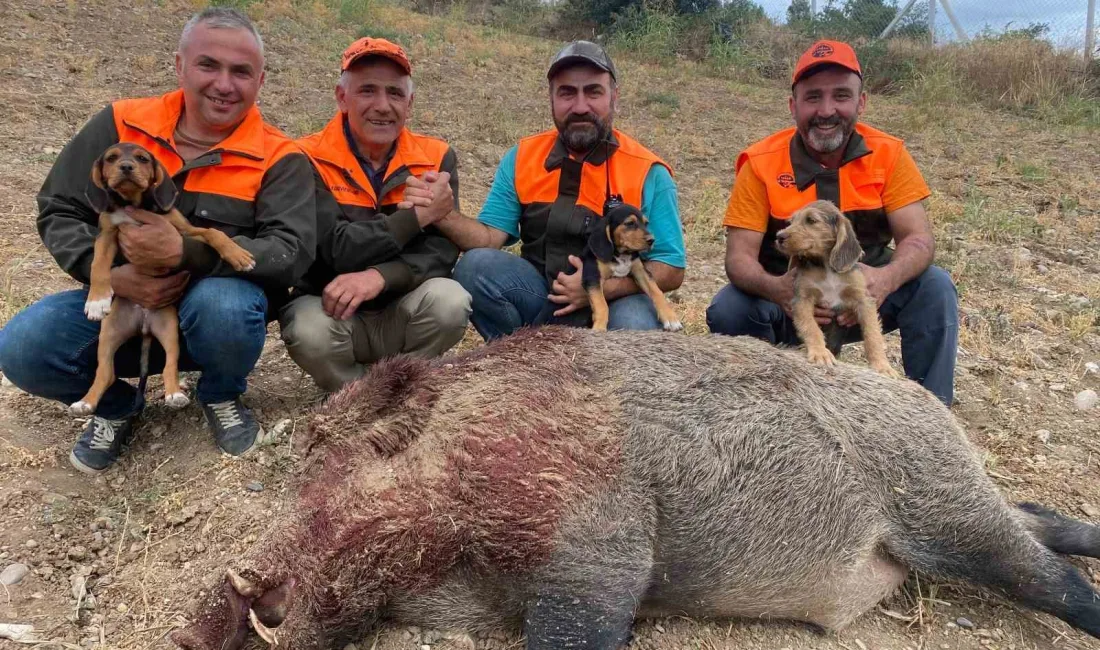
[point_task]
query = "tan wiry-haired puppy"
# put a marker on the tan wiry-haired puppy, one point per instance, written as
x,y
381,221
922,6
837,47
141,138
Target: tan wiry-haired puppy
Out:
x,y
824,252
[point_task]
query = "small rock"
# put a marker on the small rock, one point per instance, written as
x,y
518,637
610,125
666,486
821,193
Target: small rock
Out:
x,y
964,623
53,498
1042,268
1092,368
77,553
255,486
861,645
122,608
1090,510
1057,388
30,543
38,595
13,574
660,628
77,586
1085,400
1043,435
281,427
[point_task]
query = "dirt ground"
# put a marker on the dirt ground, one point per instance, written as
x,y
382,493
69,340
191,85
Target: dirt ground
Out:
x,y
115,560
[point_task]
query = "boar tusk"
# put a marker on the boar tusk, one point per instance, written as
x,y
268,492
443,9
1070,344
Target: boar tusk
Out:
x,y
242,586
266,633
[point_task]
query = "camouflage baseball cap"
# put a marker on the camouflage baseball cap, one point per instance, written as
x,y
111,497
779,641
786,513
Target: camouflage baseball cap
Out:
x,y
581,52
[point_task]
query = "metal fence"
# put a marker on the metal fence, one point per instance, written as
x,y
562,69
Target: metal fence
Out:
x,y
1067,24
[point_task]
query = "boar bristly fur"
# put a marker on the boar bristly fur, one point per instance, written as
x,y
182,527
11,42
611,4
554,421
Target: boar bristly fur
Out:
x,y
563,482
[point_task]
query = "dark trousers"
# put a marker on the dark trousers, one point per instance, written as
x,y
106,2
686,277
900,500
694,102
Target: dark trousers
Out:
x,y
925,310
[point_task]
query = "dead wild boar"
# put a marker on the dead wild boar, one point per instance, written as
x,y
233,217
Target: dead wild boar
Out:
x,y
563,482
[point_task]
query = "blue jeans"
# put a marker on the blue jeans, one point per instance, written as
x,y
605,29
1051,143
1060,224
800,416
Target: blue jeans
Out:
x,y
49,348
925,310
508,293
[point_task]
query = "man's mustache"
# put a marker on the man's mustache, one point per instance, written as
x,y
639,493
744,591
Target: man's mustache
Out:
x,y
832,121
581,119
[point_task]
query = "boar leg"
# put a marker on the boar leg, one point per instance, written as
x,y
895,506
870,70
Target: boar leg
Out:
x,y
1000,554
587,595
1060,533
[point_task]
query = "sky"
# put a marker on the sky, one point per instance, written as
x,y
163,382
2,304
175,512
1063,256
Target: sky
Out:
x,y
1065,17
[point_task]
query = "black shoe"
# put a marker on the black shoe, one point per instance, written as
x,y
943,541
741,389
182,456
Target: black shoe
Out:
x,y
235,430
100,444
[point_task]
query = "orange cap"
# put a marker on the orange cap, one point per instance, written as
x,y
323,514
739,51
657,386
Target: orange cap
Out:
x,y
368,46
826,52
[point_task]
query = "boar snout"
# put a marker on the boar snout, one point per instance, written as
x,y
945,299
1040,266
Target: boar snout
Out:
x,y
224,619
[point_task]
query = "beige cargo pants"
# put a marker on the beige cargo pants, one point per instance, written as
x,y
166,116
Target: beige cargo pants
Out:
x,y
426,322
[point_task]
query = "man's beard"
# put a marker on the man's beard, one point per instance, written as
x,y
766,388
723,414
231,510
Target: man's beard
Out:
x,y
829,142
582,132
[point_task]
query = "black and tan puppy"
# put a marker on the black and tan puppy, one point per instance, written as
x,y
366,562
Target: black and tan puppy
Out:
x,y
128,175
824,253
614,250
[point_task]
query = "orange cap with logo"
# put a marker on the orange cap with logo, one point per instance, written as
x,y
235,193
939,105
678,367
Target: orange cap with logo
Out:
x,y
823,53
368,46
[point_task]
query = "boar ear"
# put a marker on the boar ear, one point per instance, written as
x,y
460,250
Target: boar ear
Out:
x,y
271,608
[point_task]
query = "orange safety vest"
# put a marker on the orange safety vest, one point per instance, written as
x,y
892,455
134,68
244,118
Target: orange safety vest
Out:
x,y
219,187
560,196
794,179
345,178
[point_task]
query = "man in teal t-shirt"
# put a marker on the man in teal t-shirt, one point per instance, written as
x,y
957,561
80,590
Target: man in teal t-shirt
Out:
x,y
547,190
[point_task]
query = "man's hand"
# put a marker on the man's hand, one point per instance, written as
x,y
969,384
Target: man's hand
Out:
x,y
783,295
153,243
342,297
151,292
568,290
880,284
430,196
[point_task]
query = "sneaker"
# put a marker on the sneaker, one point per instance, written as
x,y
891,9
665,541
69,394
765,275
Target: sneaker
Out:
x,y
100,444
235,430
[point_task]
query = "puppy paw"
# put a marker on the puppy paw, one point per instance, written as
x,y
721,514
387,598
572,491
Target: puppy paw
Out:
x,y
176,400
883,368
81,408
672,325
98,308
241,260
599,327
821,357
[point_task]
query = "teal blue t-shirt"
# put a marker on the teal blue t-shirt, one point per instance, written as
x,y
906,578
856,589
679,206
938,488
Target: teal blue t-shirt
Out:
x,y
659,203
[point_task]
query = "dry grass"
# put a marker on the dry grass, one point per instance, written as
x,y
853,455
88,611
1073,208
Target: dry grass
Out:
x,y
1001,181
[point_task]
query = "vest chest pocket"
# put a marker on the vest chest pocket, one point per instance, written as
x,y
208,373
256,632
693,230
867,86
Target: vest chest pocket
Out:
x,y
231,216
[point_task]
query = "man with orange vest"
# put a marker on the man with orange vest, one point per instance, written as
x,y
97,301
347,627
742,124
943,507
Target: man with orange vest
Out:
x,y
872,178
380,285
548,191
234,173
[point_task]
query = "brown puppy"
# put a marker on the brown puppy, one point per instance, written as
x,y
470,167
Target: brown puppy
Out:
x,y
128,175
614,249
824,251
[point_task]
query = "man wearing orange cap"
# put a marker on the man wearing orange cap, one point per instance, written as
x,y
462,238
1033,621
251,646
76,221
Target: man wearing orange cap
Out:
x,y
872,178
380,284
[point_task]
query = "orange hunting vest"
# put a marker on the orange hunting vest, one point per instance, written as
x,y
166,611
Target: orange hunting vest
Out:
x,y
794,179
344,176
219,187
560,197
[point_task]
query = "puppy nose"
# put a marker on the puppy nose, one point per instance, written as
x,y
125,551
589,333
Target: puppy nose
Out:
x,y
649,240
781,235
126,167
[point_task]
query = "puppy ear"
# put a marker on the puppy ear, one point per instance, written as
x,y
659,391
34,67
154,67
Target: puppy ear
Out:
x,y
96,191
164,190
599,242
846,252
